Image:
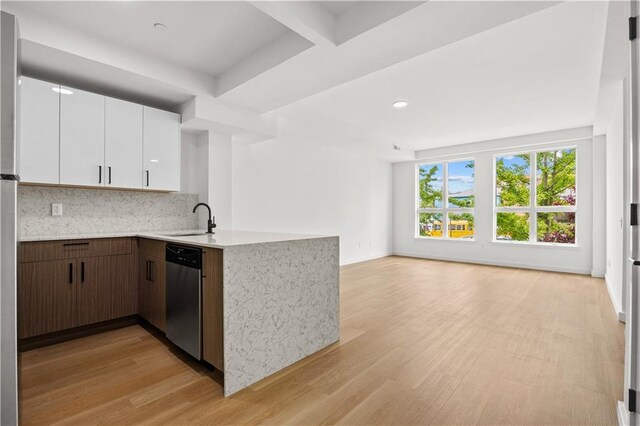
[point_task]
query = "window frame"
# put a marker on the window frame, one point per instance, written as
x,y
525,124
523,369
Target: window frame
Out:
x,y
533,209
445,210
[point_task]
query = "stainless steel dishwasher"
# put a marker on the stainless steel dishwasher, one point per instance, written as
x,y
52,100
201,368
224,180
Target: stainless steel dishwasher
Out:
x,y
184,298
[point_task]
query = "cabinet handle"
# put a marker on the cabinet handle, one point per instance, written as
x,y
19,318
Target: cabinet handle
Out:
x,y
71,273
147,177
109,175
82,272
99,174
74,244
152,271
146,272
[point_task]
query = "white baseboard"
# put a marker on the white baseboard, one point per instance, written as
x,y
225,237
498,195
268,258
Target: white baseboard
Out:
x,y
623,414
618,309
497,263
597,274
364,259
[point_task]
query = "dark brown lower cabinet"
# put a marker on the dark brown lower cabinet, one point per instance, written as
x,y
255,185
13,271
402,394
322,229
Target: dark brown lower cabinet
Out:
x,y
67,284
46,297
55,295
152,282
105,289
212,350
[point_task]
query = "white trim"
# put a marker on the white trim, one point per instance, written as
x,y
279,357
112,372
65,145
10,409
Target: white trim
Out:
x,y
623,414
565,136
496,263
597,274
365,258
536,244
617,308
468,240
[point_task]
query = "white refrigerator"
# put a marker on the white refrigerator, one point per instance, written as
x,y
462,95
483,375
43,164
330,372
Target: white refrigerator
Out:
x,y
9,178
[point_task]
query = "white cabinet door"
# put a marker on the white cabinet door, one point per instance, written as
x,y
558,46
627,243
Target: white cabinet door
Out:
x,y
123,144
38,131
81,137
161,151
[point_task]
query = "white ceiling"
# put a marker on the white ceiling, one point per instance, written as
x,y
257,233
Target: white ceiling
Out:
x,y
205,36
471,70
534,74
337,8
378,35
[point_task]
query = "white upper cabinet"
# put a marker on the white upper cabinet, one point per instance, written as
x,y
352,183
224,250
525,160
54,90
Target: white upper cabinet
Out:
x,y
161,150
123,144
72,137
81,137
38,131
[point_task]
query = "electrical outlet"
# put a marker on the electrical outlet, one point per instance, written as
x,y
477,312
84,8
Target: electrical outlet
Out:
x,y
56,209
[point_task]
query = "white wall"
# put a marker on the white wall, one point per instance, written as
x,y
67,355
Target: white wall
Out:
x,y
195,169
483,249
599,174
615,203
289,185
220,179
206,171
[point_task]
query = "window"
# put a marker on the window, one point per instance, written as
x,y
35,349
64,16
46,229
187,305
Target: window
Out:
x,y
535,196
445,200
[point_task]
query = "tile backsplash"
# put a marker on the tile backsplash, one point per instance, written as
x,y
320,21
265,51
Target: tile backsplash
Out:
x,y
97,211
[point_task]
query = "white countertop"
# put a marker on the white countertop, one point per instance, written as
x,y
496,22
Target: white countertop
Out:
x,y
221,239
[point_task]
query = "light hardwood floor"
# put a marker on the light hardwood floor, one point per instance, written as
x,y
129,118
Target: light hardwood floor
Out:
x,y
422,342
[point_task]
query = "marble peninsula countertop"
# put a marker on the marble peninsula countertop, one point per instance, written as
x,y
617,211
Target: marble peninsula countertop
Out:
x,y
221,239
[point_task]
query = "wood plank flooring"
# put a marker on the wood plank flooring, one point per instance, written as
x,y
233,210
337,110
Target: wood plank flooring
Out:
x,y
422,342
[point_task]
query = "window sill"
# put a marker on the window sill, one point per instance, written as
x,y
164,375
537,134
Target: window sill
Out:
x,y
467,240
530,244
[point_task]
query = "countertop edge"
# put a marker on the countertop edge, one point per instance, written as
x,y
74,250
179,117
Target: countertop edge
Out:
x,y
278,238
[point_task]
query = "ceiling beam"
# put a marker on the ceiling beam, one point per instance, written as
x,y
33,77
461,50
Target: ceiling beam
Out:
x,y
205,113
422,29
309,19
283,48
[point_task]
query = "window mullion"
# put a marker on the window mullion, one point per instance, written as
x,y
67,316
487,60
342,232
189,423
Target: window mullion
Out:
x,y
533,192
445,200
556,209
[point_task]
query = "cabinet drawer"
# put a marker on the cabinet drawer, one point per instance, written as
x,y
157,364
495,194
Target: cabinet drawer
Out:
x,y
152,248
39,251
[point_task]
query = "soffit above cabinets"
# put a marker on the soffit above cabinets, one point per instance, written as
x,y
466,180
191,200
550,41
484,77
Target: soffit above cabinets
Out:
x,y
204,36
46,63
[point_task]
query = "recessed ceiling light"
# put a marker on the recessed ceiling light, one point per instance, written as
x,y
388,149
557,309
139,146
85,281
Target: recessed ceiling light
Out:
x,y
62,91
160,26
400,104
